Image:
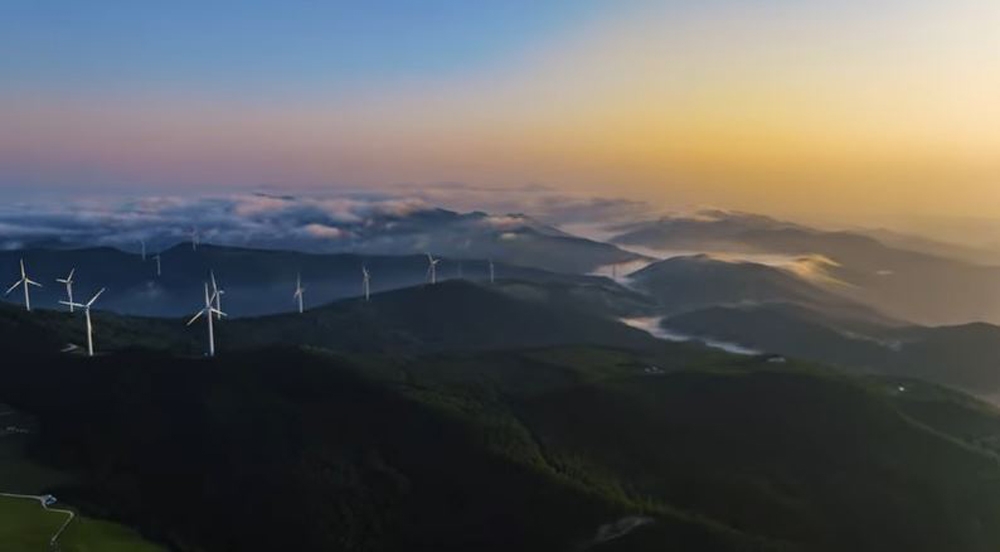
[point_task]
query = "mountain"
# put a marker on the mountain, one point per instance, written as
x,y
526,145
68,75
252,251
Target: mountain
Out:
x,y
978,254
964,356
694,282
569,448
451,315
909,285
513,238
327,226
256,281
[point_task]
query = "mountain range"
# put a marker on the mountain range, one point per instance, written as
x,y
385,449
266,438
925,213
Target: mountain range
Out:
x,y
457,417
915,285
256,281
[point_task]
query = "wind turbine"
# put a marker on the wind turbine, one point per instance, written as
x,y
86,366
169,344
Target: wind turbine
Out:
x,y
217,294
194,239
25,282
157,257
432,269
299,290
86,310
68,281
208,311
492,272
366,278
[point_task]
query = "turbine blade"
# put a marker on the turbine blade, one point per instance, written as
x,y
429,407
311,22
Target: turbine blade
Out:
x,y
220,313
195,317
72,304
34,283
70,277
94,298
13,287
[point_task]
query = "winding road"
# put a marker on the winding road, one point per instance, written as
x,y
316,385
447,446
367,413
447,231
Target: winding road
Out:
x,y
44,501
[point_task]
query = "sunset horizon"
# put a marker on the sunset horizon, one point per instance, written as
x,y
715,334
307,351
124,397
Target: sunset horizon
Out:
x,y
791,109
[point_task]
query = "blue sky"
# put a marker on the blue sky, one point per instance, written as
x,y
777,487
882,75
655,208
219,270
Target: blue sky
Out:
x,y
101,45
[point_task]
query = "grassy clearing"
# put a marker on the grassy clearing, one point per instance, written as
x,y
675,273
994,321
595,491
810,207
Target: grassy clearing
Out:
x,y
25,526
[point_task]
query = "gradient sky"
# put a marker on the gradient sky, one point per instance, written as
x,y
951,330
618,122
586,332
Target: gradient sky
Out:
x,y
860,109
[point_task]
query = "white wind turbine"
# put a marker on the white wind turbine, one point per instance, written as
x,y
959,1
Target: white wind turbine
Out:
x,y
299,291
194,239
86,311
26,282
157,258
68,282
366,281
217,294
432,269
208,311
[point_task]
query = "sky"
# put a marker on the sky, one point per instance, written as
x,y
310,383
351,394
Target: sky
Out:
x,y
868,111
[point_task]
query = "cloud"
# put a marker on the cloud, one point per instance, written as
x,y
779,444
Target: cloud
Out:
x,y
309,223
322,231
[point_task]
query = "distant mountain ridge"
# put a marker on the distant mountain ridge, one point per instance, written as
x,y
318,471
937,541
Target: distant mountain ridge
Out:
x,y
689,283
287,224
917,286
964,356
256,281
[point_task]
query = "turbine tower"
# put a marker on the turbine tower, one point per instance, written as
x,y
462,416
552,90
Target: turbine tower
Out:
x,y
217,294
492,272
86,311
194,239
142,247
208,311
26,283
299,290
366,281
157,258
432,269
68,282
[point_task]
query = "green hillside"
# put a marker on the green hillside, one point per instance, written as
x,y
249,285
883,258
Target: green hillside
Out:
x,y
965,357
529,450
453,315
455,417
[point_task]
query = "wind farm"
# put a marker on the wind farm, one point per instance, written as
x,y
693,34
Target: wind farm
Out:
x,y
582,276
